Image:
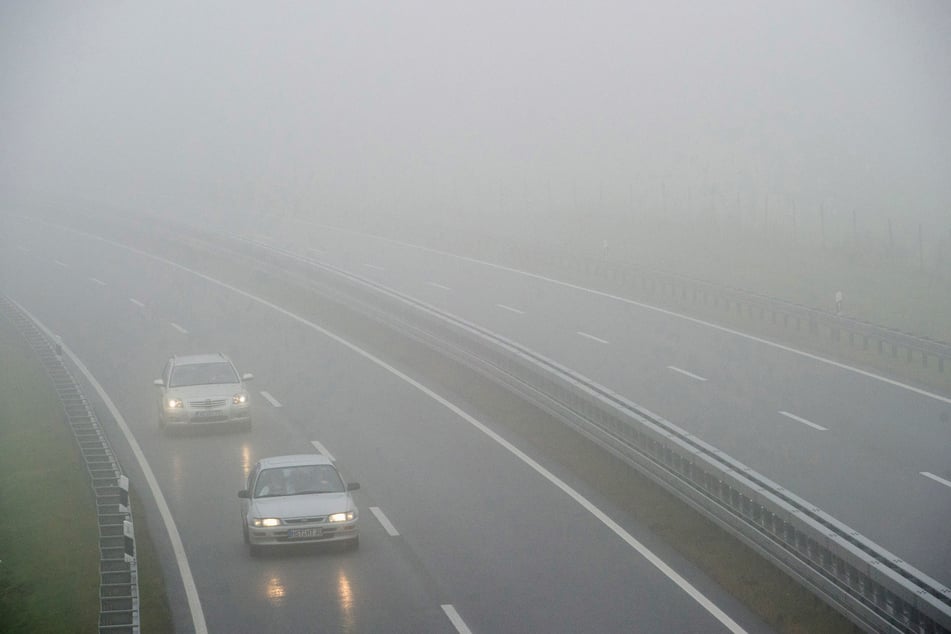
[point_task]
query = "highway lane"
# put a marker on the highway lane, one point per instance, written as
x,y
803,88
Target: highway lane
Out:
x,y
871,453
478,529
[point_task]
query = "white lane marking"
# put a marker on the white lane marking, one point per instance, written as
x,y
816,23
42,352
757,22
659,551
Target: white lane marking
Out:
x,y
315,250
440,286
137,302
270,399
322,450
685,373
455,619
62,264
510,309
592,337
178,328
385,521
374,266
178,548
600,515
937,479
799,419
662,311
97,281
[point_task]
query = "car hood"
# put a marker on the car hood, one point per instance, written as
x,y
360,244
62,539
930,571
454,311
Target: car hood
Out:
x,y
290,506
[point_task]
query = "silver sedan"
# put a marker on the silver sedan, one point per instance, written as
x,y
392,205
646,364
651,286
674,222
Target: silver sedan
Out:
x,y
297,499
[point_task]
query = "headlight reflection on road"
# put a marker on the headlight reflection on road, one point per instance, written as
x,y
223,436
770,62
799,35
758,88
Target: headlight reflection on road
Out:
x,y
178,476
345,597
246,460
275,590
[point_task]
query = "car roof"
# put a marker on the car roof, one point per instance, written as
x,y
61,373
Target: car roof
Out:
x,y
189,359
294,460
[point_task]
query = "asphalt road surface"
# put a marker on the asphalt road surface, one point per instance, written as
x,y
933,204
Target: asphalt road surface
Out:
x,y
465,534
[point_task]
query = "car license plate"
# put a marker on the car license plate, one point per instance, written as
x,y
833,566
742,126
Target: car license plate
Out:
x,y
208,414
304,533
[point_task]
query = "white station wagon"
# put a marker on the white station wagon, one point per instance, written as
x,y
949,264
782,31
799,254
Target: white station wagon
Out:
x,y
297,499
203,389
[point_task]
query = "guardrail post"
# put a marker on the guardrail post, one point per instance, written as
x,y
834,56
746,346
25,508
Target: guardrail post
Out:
x,y
128,535
124,494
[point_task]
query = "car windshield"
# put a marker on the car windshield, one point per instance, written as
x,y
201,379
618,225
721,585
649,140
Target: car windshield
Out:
x,y
297,481
203,374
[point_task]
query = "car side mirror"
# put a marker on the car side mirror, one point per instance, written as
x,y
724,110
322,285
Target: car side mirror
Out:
x,y
247,376
244,493
158,383
353,486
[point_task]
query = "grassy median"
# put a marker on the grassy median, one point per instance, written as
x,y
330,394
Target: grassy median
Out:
x,y
49,536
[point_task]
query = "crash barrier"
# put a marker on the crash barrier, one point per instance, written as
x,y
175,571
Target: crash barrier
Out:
x,y
118,571
824,326
871,586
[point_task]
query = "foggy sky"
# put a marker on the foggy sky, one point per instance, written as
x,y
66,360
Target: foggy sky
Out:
x,y
469,108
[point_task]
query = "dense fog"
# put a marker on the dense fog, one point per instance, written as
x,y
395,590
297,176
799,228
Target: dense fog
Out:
x,y
736,109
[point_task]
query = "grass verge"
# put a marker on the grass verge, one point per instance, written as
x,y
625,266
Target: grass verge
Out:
x,y
49,535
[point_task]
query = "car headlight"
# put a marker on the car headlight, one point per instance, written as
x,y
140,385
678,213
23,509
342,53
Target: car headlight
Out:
x,y
341,517
239,399
267,522
174,403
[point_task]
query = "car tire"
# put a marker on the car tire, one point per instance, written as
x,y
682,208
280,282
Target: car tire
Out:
x,y
244,533
354,543
246,426
254,550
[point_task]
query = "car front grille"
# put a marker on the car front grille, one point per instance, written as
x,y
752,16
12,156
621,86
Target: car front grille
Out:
x,y
305,520
207,403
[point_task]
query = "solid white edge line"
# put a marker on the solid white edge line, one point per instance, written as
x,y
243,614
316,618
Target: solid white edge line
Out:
x,y
799,419
455,619
685,373
938,479
440,286
510,309
384,521
374,266
669,572
178,548
97,281
137,302
322,450
592,337
663,311
62,264
178,328
270,399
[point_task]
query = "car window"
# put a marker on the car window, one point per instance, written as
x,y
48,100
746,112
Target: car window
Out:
x,y
316,479
203,374
298,481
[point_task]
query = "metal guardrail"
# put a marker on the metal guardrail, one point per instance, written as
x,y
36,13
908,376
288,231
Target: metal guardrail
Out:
x,y
872,587
778,312
118,571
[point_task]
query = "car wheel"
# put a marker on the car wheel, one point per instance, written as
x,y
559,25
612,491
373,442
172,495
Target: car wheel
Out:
x,y
244,532
354,543
246,426
254,550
